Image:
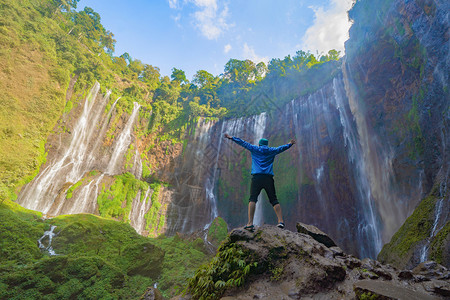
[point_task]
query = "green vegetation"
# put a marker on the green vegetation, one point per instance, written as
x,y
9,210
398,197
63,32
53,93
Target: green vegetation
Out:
x,y
416,229
229,268
217,232
155,217
96,258
115,201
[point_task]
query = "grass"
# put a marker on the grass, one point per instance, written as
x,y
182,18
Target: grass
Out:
x,y
97,258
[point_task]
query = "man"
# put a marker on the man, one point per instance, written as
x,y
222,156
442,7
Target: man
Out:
x,y
262,175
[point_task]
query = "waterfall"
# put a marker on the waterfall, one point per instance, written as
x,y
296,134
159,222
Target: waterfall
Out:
x,y
138,211
211,181
393,206
40,193
50,234
83,152
369,226
122,144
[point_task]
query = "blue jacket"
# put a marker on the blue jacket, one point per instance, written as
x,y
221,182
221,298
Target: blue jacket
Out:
x,y
262,156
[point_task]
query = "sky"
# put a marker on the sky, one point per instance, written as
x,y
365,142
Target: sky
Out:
x,y
194,35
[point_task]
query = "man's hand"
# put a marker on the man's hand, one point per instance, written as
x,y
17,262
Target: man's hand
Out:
x,y
292,142
227,136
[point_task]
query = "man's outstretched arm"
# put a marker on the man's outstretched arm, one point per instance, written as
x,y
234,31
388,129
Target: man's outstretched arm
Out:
x,y
283,148
241,142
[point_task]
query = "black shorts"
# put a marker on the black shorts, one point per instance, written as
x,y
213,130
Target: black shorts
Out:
x,y
263,181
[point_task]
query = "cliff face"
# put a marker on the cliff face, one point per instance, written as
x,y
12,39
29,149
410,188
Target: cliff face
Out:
x,y
371,144
397,62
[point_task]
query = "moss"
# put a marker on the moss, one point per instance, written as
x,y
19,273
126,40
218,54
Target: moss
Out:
x,y
19,231
439,245
415,229
73,188
218,231
68,107
116,201
154,218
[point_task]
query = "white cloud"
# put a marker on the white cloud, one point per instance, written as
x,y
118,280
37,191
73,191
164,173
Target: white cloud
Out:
x,y
210,19
330,28
249,53
173,4
227,48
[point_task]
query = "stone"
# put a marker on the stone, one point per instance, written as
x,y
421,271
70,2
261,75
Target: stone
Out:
x,y
405,275
316,234
152,294
431,269
439,287
386,290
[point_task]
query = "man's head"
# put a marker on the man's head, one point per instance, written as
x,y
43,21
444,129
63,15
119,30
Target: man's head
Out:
x,y
263,142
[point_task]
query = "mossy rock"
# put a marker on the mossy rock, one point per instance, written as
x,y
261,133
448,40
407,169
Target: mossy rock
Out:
x,y
217,231
144,259
402,251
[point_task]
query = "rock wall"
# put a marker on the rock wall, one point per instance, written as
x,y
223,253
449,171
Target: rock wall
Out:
x,y
397,62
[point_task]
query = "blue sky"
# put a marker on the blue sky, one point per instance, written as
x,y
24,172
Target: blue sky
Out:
x,y
197,35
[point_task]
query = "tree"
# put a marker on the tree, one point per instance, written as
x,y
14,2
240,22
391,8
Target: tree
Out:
x,y
150,76
179,75
137,67
108,42
127,57
202,78
65,4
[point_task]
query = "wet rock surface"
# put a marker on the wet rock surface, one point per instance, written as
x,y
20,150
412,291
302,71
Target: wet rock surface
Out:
x,y
293,265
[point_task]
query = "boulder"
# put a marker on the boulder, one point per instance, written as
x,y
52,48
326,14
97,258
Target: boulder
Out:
x,y
288,265
366,289
316,234
152,294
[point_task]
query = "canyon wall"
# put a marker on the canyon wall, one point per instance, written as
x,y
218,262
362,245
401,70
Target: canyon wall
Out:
x,y
371,144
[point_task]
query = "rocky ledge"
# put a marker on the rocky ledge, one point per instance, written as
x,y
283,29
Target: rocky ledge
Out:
x,y
280,264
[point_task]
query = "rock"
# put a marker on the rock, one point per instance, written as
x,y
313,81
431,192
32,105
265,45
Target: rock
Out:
x,y
405,275
337,251
385,290
289,265
316,234
431,270
152,294
383,273
438,287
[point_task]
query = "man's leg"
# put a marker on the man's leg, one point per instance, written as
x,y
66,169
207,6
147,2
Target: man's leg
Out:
x,y
251,212
270,190
255,189
277,209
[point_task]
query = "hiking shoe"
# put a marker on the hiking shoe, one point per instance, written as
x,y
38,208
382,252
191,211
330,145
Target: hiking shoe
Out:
x,y
250,227
280,225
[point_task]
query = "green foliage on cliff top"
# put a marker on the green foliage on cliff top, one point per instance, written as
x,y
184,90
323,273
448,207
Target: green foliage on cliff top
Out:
x,y
97,258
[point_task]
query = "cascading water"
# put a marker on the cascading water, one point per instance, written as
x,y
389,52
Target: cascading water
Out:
x,y
211,181
48,234
369,226
440,217
138,211
40,193
393,205
437,214
122,144
81,161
